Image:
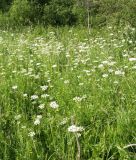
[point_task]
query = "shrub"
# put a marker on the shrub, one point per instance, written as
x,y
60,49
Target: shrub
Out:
x,y
59,12
21,12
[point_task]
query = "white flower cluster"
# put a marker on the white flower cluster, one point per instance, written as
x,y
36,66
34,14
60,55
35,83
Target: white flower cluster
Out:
x,y
66,82
79,99
41,106
64,121
132,59
120,73
14,87
44,88
31,134
74,128
37,120
33,97
17,117
54,105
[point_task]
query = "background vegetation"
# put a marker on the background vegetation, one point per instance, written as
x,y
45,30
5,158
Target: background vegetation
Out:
x,y
63,12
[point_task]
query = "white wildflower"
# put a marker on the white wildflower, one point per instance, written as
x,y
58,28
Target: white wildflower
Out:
x,y
132,59
74,128
41,106
38,64
105,75
64,121
111,63
105,62
25,95
100,66
77,99
66,81
134,67
23,127
54,66
81,84
14,71
130,41
44,88
48,80
39,116
115,82
54,105
33,97
17,117
37,120
125,67
31,134
125,55
119,72
14,87
86,71
110,70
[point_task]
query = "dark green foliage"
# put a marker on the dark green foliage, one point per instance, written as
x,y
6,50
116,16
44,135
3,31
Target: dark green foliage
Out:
x,y
68,12
5,5
40,2
121,11
59,12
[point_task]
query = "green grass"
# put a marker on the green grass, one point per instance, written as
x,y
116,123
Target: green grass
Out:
x,y
92,79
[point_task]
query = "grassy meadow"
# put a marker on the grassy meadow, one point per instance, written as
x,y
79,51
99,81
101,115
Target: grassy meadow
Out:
x,y
67,94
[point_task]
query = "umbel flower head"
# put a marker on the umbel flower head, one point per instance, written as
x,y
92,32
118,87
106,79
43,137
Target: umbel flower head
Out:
x,y
37,120
74,128
54,105
31,134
